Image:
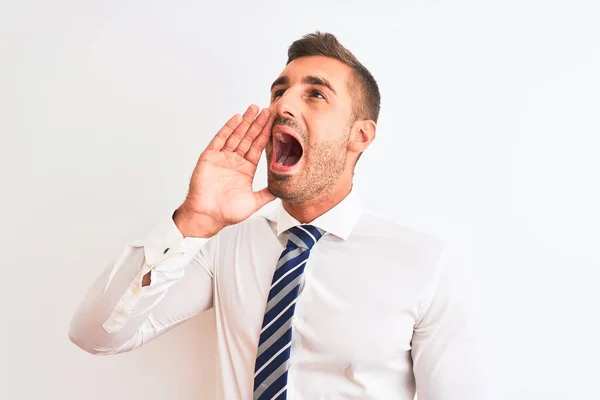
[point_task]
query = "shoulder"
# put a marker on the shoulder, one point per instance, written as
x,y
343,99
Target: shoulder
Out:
x,y
398,235
431,258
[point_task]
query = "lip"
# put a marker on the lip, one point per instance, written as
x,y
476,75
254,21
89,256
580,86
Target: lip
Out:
x,y
280,168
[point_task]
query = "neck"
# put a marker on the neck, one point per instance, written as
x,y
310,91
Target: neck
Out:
x,y
308,211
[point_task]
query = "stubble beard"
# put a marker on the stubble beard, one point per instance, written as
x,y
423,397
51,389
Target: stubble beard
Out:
x,y
322,169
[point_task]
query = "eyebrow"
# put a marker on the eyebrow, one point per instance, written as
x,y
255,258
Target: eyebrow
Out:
x,y
307,80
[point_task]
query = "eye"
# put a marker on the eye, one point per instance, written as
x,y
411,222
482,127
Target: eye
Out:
x,y
316,93
278,93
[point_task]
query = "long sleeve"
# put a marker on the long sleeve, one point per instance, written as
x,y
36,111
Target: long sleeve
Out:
x,y
447,352
119,315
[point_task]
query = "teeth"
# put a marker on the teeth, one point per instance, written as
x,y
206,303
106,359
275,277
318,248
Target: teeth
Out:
x,y
281,137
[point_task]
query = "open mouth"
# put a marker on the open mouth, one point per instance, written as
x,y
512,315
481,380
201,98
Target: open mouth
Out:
x,y
287,151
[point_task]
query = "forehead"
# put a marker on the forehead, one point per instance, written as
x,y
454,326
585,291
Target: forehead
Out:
x,y
335,71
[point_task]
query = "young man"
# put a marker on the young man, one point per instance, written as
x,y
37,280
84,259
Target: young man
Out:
x,y
317,299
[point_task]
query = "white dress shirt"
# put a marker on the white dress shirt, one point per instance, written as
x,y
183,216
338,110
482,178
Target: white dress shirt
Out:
x,y
385,310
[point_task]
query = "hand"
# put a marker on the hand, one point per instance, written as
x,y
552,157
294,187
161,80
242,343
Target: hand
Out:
x,y
220,191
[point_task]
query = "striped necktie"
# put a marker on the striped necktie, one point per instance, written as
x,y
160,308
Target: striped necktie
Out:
x,y
272,358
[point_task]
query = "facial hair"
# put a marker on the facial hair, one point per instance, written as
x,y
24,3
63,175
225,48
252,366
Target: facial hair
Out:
x,y
324,163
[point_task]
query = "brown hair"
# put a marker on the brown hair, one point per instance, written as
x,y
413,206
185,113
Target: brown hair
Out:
x,y
367,104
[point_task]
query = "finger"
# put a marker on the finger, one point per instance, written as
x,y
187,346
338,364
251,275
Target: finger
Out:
x,y
253,132
258,145
263,197
221,137
234,139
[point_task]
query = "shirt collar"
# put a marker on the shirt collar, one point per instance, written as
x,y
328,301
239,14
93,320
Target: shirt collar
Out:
x,y
339,220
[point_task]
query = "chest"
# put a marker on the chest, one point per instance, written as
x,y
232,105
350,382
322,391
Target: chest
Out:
x,y
354,306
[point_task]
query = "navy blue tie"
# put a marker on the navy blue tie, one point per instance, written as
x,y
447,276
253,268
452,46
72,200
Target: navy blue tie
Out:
x,y
274,345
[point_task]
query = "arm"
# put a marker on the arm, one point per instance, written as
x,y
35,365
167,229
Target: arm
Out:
x,y
160,282
119,314
446,346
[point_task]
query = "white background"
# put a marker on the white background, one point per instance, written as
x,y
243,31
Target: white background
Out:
x,y
488,134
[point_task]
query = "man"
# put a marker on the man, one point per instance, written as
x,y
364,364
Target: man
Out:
x,y
317,299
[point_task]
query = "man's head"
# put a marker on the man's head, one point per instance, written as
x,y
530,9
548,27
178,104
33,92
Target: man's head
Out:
x,y
326,105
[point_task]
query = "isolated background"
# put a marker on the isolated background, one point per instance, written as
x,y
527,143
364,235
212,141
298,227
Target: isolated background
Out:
x,y
488,135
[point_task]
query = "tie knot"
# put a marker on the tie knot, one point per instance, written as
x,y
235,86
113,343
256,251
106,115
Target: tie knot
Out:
x,y
305,236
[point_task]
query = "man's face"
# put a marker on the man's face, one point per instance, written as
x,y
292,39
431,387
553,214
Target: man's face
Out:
x,y
312,105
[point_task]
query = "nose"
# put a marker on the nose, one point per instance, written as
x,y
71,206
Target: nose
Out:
x,y
286,106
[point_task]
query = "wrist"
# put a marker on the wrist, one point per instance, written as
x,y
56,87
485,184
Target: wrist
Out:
x,y
196,225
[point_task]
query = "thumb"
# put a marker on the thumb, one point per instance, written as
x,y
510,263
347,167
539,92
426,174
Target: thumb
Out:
x,y
263,197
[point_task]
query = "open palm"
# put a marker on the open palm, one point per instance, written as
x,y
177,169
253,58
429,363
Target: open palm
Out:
x,y
221,184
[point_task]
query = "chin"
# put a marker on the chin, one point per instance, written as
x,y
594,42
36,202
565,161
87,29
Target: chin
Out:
x,y
278,183
281,187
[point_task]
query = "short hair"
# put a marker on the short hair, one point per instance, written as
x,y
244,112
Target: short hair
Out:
x,y
364,106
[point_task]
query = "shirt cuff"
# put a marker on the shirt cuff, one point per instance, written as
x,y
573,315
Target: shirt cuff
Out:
x,y
164,244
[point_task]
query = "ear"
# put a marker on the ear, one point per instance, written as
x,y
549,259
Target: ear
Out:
x,y
363,133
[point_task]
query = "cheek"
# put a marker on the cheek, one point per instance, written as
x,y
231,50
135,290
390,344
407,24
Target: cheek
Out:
x,y
321,123
326,129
